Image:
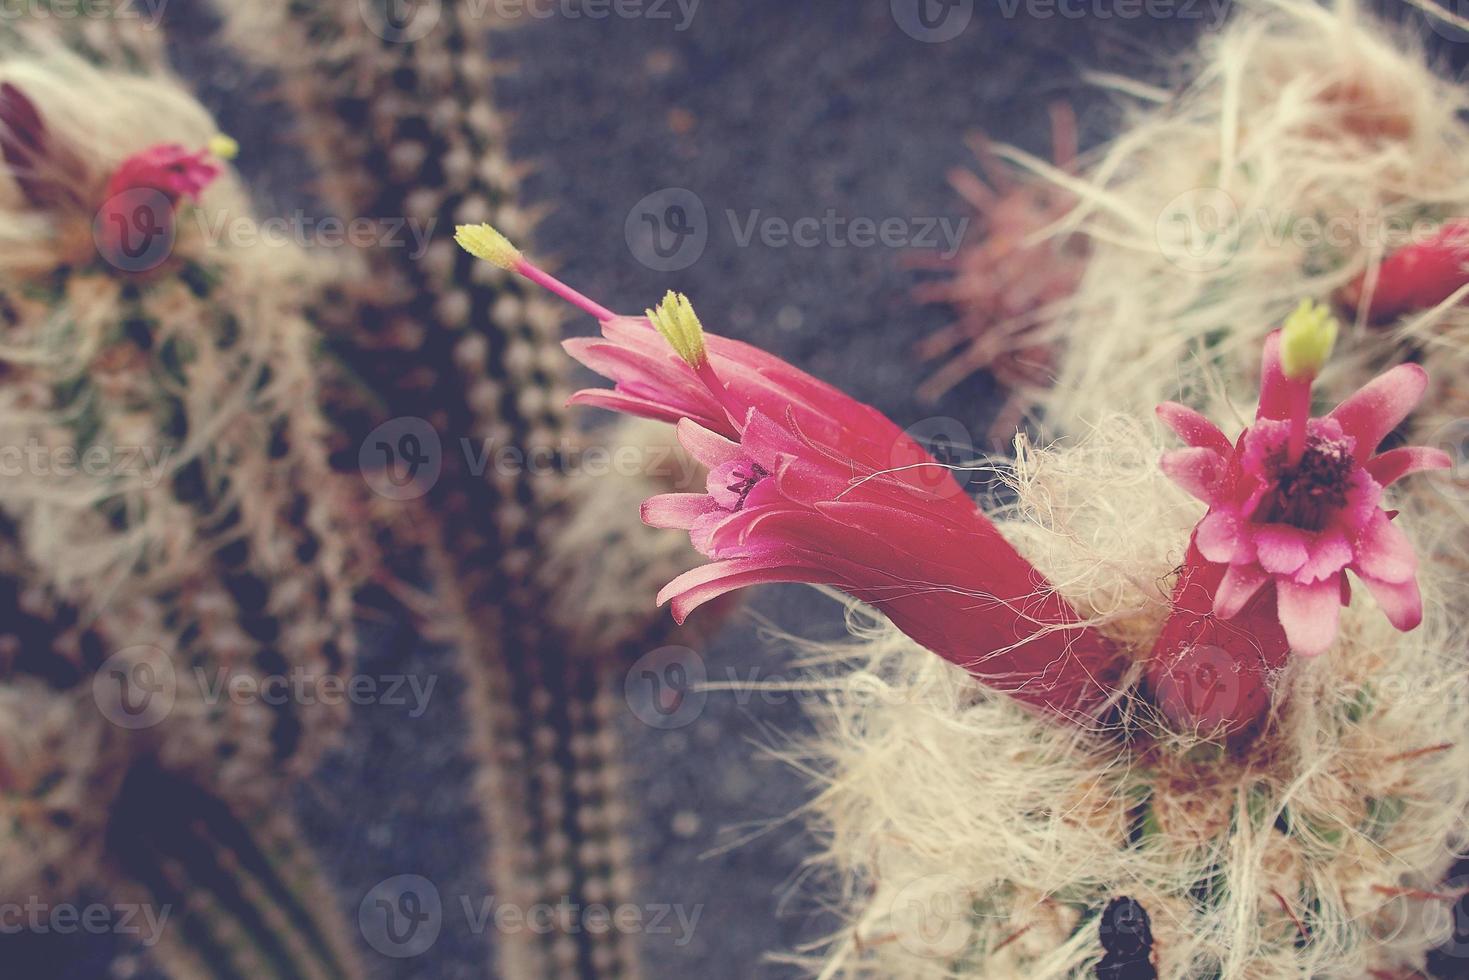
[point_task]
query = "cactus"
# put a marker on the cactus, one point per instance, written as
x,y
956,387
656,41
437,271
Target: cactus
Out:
x,y
174,513
403,129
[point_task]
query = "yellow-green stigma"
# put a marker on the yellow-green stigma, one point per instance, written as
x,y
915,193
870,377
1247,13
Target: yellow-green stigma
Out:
x,y
484,242
1307,339
676,321
224,146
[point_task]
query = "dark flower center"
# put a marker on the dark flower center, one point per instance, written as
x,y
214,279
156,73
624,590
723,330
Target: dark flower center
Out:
x,y
1307,494
744,483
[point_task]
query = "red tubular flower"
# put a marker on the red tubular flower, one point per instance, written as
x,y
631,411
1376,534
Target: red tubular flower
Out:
x,y
1211,673
1418,276
807,485
1296,501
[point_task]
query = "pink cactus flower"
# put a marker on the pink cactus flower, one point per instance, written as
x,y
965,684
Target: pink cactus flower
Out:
x,y
169,168
807,485
1296,502
135,225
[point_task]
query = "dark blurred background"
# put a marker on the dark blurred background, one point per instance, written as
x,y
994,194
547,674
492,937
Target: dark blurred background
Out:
x,y
689,126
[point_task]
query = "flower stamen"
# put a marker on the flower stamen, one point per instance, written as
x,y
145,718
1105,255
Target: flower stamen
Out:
x,y
1306,342
485,242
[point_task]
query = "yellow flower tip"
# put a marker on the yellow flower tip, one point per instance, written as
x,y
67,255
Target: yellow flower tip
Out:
x,y
484,242
1307,339
224,146
680,326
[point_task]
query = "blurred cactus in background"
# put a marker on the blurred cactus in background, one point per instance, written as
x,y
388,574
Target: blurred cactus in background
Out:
x,y
401,124
1005,281
258,394
171,527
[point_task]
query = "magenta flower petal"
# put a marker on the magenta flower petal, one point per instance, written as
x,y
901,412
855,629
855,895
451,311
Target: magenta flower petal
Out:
x,y
705,531
637,405
1221,537
1281,550
710,449
1384,552
1238,587
1309,614
694,588
1277,392
1330,553
675,510
1380,405
1196,470
1193,428
1401,602
1391,466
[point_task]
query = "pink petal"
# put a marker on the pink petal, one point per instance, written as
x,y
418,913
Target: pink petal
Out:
x,y
709,448
1275,388
765,441
1384,552
1401,602
620,363
1378,406
1281,550
694,588
1309,614
1393,465
636,405
1196,470
1237,588
704,533
1330,553
676,510
1193,428
1220,537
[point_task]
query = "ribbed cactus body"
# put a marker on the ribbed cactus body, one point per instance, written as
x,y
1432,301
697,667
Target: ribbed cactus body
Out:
x,y
170,517
408,131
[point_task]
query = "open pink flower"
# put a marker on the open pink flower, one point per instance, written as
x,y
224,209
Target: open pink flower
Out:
x,y
1296,501
807,485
